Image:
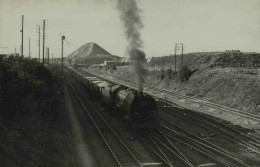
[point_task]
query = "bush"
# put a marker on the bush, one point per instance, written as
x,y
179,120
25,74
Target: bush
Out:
x,y
162,76
111,67
184,73
170,73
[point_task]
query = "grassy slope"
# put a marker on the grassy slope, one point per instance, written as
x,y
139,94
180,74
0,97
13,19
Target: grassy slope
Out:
x,y
230,86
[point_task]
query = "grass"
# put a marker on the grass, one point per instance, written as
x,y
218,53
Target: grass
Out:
x,y
234,87
34,125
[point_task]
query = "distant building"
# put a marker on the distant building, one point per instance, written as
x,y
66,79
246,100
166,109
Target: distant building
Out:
x,y
124,60
233,52
95,65
149,59
110,62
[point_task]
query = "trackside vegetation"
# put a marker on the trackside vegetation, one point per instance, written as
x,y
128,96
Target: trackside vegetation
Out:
x,y
34,129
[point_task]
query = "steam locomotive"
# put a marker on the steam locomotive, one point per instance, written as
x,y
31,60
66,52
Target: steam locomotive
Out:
x,y
138,110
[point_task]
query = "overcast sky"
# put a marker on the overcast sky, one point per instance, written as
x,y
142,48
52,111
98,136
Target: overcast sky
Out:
x,y
202,25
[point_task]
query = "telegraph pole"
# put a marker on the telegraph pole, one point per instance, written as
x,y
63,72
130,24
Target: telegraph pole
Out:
x,y
48,51
43,39
182,54
62,38
22,36
29,48
39,43
175,59
52,59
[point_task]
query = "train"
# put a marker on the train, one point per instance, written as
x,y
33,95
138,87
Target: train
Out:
x,y
137,109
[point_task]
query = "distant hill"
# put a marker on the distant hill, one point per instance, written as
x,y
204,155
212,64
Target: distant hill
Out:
x,y
90,53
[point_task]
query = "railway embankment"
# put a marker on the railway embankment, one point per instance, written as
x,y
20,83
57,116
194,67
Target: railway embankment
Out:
x,y
235,88
34,126
232,87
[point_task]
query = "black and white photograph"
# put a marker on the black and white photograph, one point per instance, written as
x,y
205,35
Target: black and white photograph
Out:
x,y
130,83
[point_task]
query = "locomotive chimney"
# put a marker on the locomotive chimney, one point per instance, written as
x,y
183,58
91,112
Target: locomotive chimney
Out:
x,y
140,93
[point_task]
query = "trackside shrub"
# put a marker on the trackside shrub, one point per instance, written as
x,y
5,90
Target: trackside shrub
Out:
x,y
184,73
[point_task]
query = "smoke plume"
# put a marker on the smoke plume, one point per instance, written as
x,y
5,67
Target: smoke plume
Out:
x,y
129,14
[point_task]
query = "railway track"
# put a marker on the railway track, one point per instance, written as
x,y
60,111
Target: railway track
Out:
x,y
164,158
120,152
210,104
244,139
216,126
172,157
218,123
223,157
167,152
193,99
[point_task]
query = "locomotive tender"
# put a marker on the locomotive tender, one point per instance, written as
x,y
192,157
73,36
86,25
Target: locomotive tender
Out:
x,y
138,110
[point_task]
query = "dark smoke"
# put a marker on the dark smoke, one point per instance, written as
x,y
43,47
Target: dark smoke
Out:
x,y
129,14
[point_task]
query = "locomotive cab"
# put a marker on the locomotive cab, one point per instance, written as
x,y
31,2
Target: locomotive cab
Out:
x,y
138,109
144,112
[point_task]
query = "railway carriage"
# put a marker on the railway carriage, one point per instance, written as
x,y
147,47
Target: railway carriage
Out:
x,y
104,92
95,88
107,94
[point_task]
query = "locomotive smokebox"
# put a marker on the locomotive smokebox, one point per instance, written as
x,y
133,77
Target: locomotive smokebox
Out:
x,y
140,93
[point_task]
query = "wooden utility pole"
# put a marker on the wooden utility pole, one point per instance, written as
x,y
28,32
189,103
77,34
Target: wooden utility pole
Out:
x,y
22,35
48,52
62,38
43,40
29,48
39,43
175,59
51,58
182,54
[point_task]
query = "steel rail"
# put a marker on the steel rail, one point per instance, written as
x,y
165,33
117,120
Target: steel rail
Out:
x,y
181,157
175,147
164,159
204,152
204,143
235,133
111,150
